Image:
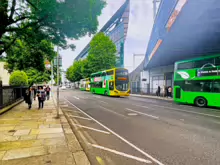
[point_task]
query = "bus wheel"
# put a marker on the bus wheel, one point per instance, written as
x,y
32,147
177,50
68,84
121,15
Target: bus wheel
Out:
x,y
93,91
200,102
106,93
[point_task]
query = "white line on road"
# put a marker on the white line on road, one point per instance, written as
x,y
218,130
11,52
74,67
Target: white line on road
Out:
x,y
103,102
177,109
120,137
85,118
76,97
141,106
112,111
121,153
90,128
145,114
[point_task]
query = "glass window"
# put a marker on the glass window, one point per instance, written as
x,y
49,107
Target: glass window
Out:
x,y
216,86
186,65
111,85
198,86
110,72
217,61
201,63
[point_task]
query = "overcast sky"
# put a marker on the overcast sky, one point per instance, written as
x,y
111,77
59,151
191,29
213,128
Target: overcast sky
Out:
x,y
139,29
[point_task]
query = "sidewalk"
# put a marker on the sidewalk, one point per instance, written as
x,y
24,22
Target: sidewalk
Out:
x,y
35,137
152,97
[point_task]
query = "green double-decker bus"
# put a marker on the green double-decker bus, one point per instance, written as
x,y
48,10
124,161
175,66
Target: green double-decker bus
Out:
x,y
112,82
197,81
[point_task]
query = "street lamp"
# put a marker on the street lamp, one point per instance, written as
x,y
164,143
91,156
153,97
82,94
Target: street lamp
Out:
x,y
58,63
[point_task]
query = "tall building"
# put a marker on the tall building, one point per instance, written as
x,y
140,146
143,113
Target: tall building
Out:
x,y
116,28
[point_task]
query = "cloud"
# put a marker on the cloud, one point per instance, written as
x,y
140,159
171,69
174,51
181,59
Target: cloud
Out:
x,y
140,25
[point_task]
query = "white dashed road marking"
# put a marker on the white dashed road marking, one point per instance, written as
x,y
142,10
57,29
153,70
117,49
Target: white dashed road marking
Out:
x,y
76,97
90,128
121,153
85,118
145,114
118,136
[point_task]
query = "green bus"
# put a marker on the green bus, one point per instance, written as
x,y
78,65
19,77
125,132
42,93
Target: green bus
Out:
x,y
112,82
197,81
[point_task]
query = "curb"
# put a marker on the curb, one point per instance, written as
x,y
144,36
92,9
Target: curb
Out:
x,y
10,106
146,96
73,130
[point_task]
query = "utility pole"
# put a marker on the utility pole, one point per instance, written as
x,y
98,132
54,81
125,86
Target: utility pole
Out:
x,y
58,84
51,85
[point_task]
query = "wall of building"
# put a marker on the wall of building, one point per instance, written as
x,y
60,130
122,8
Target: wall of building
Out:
x,y
152,78
4,75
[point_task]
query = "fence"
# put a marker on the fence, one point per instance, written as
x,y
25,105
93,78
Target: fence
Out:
x,y
148,91
10,94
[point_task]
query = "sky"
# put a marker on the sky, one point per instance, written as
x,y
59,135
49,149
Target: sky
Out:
x,y
139,30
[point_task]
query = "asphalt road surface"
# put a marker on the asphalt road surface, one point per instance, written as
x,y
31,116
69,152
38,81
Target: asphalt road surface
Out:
x,y
136,131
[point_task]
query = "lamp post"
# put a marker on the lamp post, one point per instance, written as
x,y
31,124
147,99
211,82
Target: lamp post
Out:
x,y
58,63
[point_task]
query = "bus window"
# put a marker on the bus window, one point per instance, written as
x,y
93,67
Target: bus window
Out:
x,y
217,61
111,85
216,87
109,73
201,63
185,65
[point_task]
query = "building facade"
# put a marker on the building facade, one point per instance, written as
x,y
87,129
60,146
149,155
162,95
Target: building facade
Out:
x,y
116,28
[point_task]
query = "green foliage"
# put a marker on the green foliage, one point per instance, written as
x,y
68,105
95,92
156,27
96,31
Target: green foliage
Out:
x,y
102,56
102,53
18,78
57,20
74,72
35,77
29,53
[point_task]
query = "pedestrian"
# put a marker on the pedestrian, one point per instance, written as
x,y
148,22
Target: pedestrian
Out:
x,y
170,91
41,97
29,97
158,91
48,92
35,92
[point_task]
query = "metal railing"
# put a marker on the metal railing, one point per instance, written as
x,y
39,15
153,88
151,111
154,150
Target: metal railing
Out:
x,y
10,94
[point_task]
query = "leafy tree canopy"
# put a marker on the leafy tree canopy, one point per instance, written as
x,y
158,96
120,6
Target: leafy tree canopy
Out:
x,y
58,20
34,76
18,78
102,56
74,72
102,53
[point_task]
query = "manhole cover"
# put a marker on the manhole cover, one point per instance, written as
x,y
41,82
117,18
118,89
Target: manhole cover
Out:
x,y
132,114
12,131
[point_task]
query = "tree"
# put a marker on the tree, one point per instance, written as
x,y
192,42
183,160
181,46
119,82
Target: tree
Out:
x,y
102,54
58,20
31,53
85,68
18,78
74,72
34,76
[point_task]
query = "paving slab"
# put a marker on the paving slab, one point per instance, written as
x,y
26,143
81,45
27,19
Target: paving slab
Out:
x,y
36,137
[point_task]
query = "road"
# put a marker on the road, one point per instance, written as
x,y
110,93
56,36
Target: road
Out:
x,y
136,131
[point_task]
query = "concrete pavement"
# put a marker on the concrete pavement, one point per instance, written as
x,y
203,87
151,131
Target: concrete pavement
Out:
x,y
37,137
143,131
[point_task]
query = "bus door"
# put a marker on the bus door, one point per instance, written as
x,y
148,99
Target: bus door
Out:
x,y
111,85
